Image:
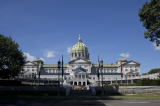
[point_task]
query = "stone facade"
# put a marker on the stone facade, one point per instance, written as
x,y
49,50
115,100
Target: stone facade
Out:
x,y
80,70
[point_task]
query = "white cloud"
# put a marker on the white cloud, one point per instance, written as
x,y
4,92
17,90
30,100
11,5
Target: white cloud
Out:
x,y
29,57
124,55
49,54
42,59
155,46
69,49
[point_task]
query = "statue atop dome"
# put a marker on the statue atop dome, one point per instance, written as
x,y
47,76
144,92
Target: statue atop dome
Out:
x,y
79,40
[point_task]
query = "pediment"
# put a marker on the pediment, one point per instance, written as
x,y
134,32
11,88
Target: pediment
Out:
x,y
131,62
80,61
29,63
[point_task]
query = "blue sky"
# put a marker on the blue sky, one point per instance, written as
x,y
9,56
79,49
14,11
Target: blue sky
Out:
x,y
110,29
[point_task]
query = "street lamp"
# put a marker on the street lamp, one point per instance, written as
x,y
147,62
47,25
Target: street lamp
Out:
x,y
59,66
126,78
101,65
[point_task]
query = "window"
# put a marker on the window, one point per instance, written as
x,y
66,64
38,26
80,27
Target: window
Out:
x,y
83,76
79,76
86,69
76,76
136,69
32,69
27,69
126,69
130,66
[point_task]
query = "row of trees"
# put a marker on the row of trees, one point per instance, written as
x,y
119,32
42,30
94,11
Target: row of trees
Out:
x,y
152,71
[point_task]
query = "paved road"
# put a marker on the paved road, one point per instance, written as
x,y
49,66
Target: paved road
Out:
x,y
80,102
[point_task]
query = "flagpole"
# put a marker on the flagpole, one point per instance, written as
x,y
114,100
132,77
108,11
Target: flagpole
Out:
x,y
62,70
121,72
98,71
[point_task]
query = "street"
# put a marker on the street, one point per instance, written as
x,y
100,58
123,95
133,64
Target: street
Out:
x,y
79,102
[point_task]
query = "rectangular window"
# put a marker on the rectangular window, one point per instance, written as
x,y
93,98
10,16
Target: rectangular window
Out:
x,y
136,69
32,69
130,66
126,69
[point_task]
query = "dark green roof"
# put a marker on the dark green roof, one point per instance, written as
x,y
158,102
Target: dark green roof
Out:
x,y
37,60
122,59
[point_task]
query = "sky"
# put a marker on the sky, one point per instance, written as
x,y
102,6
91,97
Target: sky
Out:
x,y
48,29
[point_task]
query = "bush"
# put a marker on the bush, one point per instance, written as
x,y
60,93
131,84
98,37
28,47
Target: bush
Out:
x,y
148,82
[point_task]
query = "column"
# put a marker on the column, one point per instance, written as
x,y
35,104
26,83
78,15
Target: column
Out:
x,y
111,81
77,83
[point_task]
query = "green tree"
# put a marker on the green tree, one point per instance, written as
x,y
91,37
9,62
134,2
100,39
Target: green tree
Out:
x,y
11,58
152,71
144,73
150,16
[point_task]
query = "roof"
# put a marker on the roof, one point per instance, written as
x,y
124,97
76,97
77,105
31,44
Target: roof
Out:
x,y
37,59
104,65
54,65
54,73
122,59
80,46
106,73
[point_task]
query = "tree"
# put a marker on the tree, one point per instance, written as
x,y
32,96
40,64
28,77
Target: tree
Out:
x,y
11,58
150,16
152,71
144,73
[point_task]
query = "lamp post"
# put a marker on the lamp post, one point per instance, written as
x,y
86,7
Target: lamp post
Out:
x,y
59,65
101,65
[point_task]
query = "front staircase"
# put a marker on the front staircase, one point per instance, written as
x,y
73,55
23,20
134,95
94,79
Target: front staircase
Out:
x,y
80,93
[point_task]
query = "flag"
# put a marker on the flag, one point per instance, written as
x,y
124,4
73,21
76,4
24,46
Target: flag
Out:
x,y
98,68
62,65
121,69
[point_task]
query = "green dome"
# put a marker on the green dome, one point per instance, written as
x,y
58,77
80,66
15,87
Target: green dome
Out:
x,y
79,46
122,59
37,60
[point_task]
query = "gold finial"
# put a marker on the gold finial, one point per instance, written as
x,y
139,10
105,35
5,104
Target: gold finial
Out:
x,y
79,36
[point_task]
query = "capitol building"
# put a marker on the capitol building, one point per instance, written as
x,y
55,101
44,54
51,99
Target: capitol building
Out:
x,y
80,70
